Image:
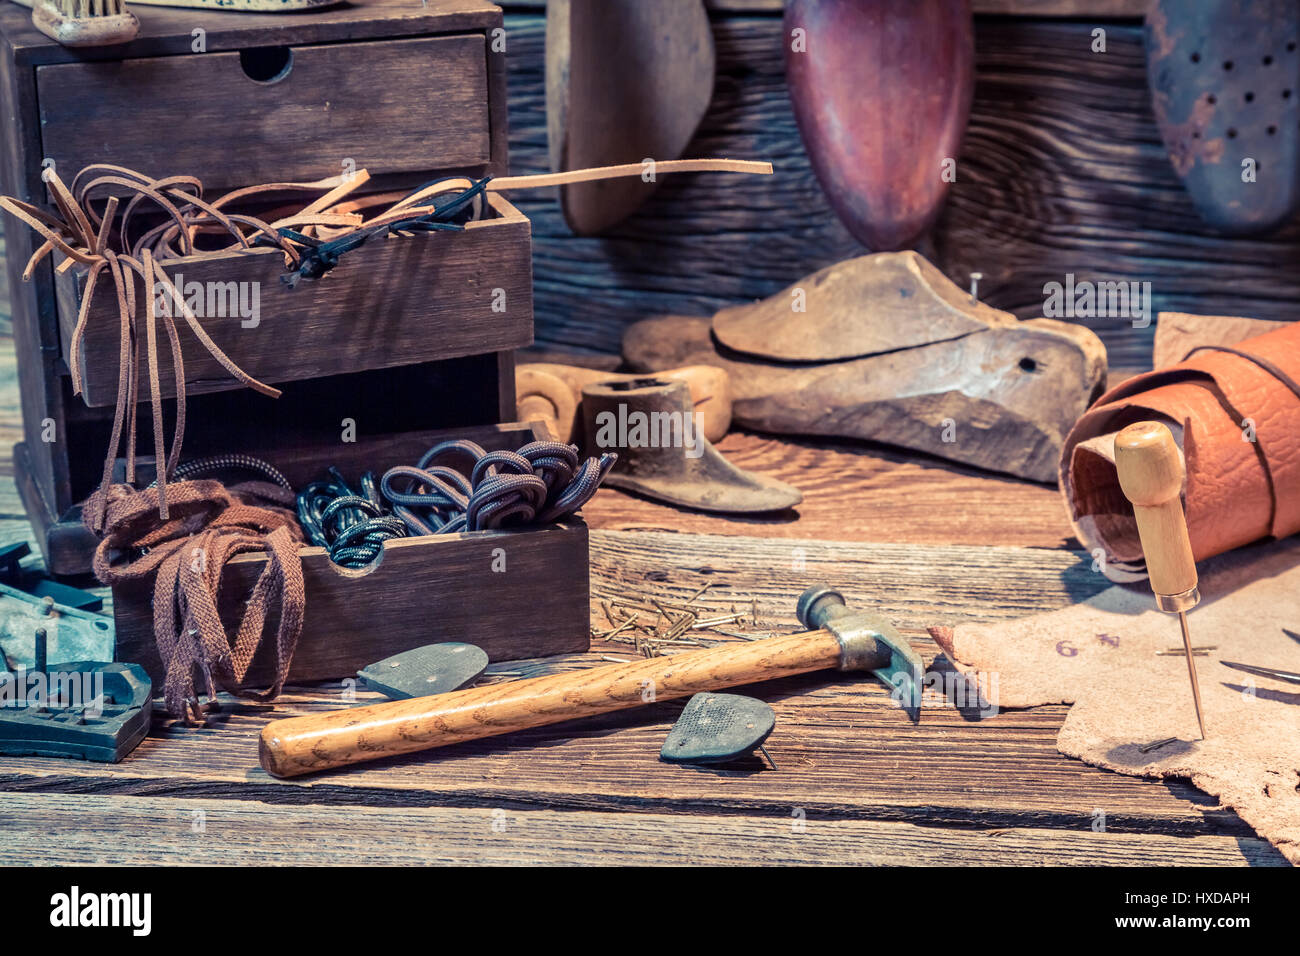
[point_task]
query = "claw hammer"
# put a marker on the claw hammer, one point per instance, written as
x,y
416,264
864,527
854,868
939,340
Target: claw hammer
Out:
x,y
838,637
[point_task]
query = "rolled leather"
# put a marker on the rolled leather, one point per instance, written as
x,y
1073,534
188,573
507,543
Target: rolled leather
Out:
x,y
1235,411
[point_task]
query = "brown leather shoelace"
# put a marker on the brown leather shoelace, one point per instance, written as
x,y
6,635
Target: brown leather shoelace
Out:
x,y
186,555
101,242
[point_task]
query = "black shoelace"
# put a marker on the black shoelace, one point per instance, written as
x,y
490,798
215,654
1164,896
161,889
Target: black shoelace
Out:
x,y
319,257
456,486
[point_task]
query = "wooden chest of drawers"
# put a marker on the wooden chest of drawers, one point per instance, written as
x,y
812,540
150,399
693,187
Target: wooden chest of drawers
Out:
x,y
403,339
406,91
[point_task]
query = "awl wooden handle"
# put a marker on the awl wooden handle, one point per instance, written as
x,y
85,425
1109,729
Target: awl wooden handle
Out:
x,y
1151,472
299,745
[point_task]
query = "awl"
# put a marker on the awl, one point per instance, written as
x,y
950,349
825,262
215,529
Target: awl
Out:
x,y
1151,472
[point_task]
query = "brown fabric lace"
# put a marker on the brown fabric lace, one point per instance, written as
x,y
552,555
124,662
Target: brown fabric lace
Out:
x,y
186,555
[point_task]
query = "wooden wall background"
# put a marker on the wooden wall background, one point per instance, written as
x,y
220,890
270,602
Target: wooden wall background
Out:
x,y
1062,171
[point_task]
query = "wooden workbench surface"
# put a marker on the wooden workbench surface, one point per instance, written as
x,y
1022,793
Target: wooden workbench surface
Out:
x,y
857,782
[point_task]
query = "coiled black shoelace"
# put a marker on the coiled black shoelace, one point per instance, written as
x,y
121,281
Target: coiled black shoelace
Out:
x,y
351,527
540,483
455,486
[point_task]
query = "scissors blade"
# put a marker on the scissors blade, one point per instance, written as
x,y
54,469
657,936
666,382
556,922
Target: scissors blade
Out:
x,y
1272,672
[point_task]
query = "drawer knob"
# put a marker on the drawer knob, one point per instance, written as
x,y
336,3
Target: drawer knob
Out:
x,y
266,64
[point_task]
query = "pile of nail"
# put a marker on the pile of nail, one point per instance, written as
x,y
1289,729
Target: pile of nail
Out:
x,y
456,486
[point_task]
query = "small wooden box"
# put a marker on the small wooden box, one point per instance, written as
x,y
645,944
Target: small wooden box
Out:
x,y
515,594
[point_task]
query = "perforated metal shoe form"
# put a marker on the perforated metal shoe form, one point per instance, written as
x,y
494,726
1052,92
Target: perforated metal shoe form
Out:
x,y
1225,85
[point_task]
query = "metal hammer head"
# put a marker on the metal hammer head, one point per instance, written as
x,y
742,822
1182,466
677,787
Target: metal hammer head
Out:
x,y
868,642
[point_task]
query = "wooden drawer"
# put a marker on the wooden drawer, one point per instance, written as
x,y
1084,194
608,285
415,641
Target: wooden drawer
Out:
x,y
389,106
421,590
392,301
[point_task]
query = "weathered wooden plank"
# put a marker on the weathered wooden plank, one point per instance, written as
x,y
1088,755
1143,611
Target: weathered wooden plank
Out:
x,y
1062,171
917,586
64,829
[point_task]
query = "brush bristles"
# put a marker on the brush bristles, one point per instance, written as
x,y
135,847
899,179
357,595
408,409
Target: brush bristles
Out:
x,y
89,9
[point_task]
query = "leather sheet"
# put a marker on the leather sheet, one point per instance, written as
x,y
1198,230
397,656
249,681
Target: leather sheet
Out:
x,y
1236,415
1105,657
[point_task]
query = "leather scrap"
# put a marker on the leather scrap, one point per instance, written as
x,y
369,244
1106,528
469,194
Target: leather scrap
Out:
x,y
1177,333
1235,411
1103,656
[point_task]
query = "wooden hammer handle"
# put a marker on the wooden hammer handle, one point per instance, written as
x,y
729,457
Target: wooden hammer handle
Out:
x,y
299,745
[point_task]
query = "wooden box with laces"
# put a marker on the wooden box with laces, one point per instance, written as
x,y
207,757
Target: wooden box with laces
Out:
x,y
411,576
330,287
